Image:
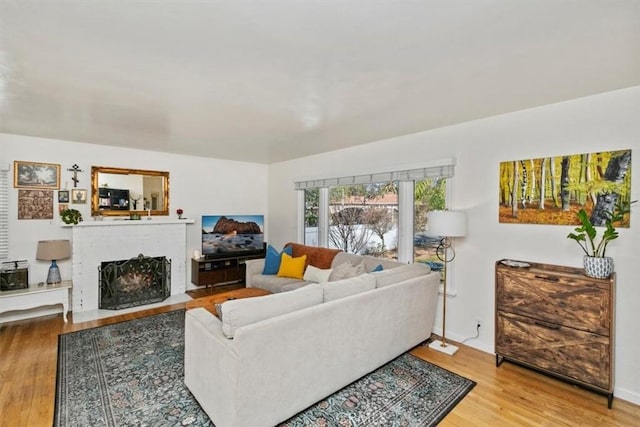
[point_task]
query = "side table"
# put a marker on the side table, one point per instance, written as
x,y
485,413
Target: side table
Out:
x,y
37,296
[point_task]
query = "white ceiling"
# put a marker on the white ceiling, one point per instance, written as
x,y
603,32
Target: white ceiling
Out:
x,y
270,80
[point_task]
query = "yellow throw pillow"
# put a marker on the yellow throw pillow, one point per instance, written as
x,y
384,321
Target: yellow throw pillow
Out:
x,y
292,267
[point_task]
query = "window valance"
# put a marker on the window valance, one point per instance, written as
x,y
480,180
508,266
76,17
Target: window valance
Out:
x,y
441,169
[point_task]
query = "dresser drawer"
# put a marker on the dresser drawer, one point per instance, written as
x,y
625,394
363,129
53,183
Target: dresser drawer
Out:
x,y
571,301
578,355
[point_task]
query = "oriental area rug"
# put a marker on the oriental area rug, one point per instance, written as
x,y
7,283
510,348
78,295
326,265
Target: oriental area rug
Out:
x,y
132,374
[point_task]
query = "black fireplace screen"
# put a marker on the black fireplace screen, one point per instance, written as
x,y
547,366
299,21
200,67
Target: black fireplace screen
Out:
x,y
137,281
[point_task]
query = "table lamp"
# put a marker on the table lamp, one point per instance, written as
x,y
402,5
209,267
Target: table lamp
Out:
x,y
53,250
445,224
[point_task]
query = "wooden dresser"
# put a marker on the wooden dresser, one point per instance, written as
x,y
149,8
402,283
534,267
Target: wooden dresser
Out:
x,y
558,321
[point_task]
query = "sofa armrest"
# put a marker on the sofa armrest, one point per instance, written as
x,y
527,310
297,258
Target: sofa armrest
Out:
x,y
253,267
211,366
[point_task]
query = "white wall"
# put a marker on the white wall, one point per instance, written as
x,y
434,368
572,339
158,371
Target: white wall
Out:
x,y
599,123
197,185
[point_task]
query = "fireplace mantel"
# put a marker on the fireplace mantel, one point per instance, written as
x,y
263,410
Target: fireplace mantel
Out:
x,y
118,222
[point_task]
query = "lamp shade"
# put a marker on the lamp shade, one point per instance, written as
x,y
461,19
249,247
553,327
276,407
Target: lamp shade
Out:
x,y
447,223
53,250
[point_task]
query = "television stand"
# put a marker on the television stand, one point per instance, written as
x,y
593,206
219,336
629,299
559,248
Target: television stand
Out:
x,y
220,270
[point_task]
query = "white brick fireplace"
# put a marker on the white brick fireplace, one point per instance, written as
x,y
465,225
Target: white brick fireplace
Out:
x,y
97,241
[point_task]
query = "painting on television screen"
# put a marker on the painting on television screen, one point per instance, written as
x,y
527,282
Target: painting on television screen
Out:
x,y
232,234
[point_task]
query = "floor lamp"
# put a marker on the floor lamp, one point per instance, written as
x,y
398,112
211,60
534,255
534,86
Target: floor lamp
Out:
x,y
445,224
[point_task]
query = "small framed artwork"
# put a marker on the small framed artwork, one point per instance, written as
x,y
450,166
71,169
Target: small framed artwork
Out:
x,y
45,176
78,196
62,207
63,196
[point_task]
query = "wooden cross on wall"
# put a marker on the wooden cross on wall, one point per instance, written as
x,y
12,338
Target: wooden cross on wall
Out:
x,y
75,169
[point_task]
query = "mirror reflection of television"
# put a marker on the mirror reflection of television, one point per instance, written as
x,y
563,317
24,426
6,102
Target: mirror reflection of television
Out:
x,y
231,235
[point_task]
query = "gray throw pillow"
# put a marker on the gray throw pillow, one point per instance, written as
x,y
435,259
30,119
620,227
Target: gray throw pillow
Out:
x,y
346,270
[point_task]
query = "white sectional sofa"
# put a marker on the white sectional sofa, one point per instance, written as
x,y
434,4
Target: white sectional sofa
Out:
x,y
318,257
273,356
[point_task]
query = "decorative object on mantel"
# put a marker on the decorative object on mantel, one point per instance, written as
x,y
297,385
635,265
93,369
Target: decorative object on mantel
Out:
x,y
135,198
53,250
75,169
71,216
445,224
596,263
179,211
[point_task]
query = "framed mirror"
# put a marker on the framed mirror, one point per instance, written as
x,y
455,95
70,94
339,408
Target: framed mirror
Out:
x,y
121,192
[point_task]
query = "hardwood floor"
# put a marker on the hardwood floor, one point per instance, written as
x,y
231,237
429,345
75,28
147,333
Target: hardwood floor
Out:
x,y
506,396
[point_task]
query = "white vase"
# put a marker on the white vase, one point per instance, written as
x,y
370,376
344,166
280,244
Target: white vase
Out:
x,y
598,267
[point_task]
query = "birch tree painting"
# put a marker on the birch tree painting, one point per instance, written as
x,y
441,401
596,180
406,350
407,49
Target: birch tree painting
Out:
x,y
552,189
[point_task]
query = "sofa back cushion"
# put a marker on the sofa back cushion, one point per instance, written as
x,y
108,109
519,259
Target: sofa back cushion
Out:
x,y
316,256
237,313
370,263
344,288
400,274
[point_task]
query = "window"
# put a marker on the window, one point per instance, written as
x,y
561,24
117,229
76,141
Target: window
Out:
x,y
380,214
429,194
363,219
311,209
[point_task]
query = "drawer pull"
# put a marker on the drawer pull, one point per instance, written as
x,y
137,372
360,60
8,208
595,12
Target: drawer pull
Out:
x,y
548,279
545,325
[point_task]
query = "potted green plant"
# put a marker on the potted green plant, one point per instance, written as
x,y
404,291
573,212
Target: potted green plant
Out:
x,y
596,263
71,216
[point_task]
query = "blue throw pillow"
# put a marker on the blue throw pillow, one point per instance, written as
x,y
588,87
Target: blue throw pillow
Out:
x,y
379,267
272,259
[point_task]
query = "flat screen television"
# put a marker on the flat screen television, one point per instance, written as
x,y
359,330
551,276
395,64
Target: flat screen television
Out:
x,y
224,235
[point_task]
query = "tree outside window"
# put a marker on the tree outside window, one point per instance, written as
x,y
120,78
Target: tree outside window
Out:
x,y
430,194
363,219
311,206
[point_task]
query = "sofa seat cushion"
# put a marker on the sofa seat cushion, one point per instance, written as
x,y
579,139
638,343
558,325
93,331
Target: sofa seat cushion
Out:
x,y
241,312
400,274
344,288
316,256
276,284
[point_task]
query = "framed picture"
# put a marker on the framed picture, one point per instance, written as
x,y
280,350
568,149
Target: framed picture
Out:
x,y
45,176
551,190
35,204
78,196
63,196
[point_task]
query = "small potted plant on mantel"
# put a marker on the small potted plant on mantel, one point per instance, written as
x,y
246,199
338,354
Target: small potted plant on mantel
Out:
x,y
596,263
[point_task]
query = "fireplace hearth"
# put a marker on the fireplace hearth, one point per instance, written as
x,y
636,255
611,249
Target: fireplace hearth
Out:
x,y
133,282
